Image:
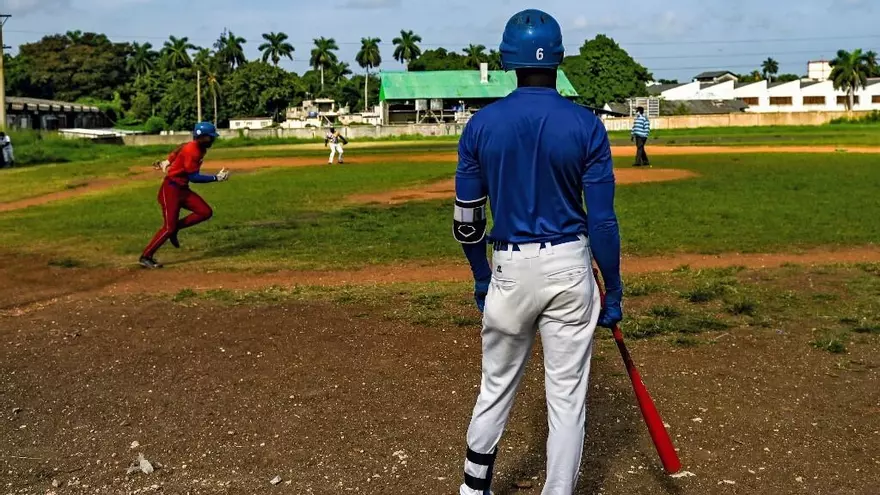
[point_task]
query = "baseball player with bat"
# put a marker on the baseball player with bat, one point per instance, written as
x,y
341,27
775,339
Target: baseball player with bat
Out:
x,y
181,167
333,137
536,157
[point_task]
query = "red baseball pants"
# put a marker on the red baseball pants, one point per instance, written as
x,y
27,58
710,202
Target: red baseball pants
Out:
x,y
172,197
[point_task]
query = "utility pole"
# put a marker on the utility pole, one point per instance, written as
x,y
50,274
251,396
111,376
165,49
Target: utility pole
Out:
x,y
3,47
199,93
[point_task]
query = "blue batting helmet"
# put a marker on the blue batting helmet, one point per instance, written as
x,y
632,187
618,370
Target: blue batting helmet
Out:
x,y
205,129
532,39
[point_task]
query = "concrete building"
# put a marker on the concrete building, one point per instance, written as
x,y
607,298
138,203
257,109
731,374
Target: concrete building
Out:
x,y
819,70
716,76
813,94
239,123
447,95
50,115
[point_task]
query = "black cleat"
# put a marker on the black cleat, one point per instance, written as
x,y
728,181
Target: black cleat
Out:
x,y
149,263
173,240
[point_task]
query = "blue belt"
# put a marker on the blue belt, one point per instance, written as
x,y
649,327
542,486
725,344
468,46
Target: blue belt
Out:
x,y
502,245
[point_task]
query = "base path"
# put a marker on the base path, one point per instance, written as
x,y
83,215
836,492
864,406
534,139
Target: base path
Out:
x,y
27,282
174,280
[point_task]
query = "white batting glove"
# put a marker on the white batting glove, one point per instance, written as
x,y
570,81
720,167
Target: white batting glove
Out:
x,y
162,165
223,175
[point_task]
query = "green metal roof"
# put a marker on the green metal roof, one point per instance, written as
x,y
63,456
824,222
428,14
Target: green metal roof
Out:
x,y
455,84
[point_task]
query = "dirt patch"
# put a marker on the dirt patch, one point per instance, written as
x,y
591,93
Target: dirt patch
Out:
x,y
223,399
27,283
446,189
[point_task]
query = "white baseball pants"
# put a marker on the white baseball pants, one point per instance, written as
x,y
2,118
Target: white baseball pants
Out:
x,y
551,289
334,149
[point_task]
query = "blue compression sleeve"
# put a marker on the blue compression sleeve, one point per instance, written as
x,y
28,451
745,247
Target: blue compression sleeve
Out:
x,y
601,220
469,186
476,256
604,232
199,178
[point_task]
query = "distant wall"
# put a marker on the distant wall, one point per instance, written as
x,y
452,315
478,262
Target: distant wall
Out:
x,y
353,132
612,124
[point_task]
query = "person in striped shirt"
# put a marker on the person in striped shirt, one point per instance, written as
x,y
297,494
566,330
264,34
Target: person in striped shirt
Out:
x,y
640,130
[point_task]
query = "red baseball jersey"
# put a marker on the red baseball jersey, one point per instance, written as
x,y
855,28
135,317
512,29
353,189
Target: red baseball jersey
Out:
x,y
185,160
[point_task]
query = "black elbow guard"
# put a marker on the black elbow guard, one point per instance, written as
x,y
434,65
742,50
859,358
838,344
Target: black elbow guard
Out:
x,y
469,221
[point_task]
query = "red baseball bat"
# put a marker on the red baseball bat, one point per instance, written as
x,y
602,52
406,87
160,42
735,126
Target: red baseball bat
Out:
x,y
662,442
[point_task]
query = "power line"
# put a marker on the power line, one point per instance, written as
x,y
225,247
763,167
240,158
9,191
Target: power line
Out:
x,y
622,42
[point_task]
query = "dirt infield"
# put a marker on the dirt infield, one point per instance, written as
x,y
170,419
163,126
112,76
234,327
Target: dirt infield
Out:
x,y
28,282
446,189
341,399
142,174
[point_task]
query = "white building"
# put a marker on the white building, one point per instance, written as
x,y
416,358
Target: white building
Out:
x,y
813,94
249,123
819,70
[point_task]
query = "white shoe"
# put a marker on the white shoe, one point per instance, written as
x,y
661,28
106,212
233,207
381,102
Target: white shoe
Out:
x,y
464,490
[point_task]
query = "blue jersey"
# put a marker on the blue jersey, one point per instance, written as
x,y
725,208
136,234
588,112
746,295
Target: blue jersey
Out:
x,y
533,153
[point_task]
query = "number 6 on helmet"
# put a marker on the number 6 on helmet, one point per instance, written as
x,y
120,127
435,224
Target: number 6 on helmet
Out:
x,y
532,39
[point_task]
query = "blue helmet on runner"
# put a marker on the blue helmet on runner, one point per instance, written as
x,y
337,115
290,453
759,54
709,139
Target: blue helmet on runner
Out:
x,y
205,129
532,39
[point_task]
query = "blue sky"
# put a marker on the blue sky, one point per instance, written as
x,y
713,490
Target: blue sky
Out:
x,y
673,38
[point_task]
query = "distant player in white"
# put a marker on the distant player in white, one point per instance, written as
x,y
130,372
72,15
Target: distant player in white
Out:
x,y
6,145
333,138
536,158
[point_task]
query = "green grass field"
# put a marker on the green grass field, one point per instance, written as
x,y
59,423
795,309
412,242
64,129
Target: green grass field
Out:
x,y
299,217
33,148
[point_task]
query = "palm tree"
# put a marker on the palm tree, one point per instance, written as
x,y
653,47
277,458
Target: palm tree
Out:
x,y
494,60
230,49
769,68
871,57
475,55
369,57
213,82
339,71
323,55
176,51
849,72
275,47
407,47
142,59
755,76
75,37
207,62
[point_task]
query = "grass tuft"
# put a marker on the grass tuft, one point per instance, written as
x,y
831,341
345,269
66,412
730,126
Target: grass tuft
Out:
x,y
66,263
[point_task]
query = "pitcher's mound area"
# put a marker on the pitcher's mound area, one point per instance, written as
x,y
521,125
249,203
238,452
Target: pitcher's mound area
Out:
x,y
446,189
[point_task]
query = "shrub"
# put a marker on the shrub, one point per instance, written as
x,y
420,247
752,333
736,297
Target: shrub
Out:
x,y
154,125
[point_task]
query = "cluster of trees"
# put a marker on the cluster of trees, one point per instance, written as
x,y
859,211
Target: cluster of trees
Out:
x,y
137,84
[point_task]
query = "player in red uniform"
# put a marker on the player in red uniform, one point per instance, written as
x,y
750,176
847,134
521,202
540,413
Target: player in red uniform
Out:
x,y
182,167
